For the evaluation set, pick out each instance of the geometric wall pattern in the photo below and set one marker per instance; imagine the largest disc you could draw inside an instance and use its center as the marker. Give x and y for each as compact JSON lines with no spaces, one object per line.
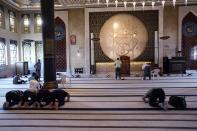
{"x":60,"y":44}
{"x":123,"y":35}
{"x":149,"y":19}
{"x":189,"y":40}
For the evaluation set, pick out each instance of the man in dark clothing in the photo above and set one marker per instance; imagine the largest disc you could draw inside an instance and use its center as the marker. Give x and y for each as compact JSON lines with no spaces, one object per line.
{"x":59,"y":95}
{"x":147,"y":71}
{"x":18,"y":80}
{"x":37,"y":66}
{"x":13,"y":97}
{"x":43,"y":97}
{"x":156,"y":98}
{"x":29,"y":97}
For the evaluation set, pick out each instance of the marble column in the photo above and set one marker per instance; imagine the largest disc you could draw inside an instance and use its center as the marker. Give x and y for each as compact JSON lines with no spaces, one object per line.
{"x":47,"y":12}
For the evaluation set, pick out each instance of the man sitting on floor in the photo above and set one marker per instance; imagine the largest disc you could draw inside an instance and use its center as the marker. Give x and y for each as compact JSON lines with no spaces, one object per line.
{"x":59,"y":95}
{"x":18,"y":80}
{"x":30,"y":95}
{"x":32,"y":77}
{"x":13,"y":97}
{"x":156,"y":98}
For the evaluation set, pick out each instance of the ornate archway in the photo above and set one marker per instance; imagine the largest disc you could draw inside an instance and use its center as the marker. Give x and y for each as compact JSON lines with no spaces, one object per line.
{"x":60,"y":42}
{"x":189,"y":40}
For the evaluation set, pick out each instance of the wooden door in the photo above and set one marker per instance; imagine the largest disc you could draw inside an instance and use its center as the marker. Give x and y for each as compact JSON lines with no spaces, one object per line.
{"x":125,"y":69}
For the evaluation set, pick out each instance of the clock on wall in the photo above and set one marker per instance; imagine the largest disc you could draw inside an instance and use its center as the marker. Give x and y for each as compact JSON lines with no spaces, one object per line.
{"x":190,"y":29}
{"x":59,"y":33}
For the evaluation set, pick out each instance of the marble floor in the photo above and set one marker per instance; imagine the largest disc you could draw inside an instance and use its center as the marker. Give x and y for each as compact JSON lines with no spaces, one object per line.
{"x":105,"y":104}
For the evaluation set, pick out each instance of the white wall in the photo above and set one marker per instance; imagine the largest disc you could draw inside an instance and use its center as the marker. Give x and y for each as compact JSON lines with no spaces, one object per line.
{"x":77,"y":27}
{"x":170,"y":29}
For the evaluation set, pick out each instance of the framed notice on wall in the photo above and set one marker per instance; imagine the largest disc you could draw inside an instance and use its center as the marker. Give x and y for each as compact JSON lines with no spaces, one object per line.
{"x":73,"y":39}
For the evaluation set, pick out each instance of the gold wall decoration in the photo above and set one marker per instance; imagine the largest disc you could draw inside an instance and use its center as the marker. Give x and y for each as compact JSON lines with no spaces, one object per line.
{"x":123,"y":34}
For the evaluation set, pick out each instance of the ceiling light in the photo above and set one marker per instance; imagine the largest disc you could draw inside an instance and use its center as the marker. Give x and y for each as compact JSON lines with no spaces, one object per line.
{"x":174,"y":2}
{"x":134,"y":5}
{"x":163,"y":2}
{"x":125,"y":4}
{"x":186,"y":2}
{"x":116,"y":2}
{"x":153,"y":4}
{"x":107,"y":2}
{"x":143,"y":4}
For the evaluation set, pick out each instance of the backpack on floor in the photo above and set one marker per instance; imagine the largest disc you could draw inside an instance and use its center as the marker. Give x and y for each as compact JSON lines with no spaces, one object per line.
{"x":178,"y":102}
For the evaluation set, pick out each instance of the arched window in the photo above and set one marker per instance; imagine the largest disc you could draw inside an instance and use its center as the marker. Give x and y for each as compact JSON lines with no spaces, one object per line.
{"x":2,"y":18}
{"x":2,"y":52}
{"x":194,"y":53}
{"x":13,"y":51}
{"x":12,"y":20}
{"x":26,"y":24}
{"x":38,"y":23}
{"x":39,"y":50}
{"x":27,"y":51}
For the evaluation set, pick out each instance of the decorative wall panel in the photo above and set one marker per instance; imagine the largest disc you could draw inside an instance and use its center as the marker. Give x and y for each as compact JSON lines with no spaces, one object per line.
{"x":60,"y":44}
{"x":189,"y":41}
{"x":149,"y":19}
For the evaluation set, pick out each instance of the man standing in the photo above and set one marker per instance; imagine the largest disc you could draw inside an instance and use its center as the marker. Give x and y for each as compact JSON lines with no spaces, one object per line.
{"x":37,"y":66}
{"x":118,"y":64}
{"x":147,"y":71}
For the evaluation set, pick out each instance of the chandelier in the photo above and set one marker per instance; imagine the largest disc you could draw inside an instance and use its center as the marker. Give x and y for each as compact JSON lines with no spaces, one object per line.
{"x":134,"y":3}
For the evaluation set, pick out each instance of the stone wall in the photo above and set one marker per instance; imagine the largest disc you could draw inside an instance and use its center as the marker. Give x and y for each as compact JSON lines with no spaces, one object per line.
{"x":76,"y":27}
{"x":170,"y":29}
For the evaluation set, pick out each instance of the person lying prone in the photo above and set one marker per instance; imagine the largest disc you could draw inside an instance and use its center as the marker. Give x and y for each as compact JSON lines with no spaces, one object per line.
{"x":60,"y":96}
{"x":13,"y":97}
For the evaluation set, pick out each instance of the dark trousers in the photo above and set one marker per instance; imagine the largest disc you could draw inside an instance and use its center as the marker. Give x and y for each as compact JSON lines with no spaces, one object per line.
{"x":38,"y":72}
{"x":118,"y":74}
{"x":147,"y":72}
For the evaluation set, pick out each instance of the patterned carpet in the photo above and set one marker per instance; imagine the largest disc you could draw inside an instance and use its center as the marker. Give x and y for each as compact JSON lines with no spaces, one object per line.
{"x":104,"y":104}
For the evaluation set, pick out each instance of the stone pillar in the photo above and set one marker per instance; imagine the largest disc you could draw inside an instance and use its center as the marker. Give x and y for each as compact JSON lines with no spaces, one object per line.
{"x":92,"y":66}
{"x":156,"y":48}
{"x":47,"y":12}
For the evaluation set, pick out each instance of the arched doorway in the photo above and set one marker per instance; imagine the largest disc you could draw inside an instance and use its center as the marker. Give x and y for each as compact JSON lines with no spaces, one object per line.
{"x":189,"y":40}
{"x":60,"y":42}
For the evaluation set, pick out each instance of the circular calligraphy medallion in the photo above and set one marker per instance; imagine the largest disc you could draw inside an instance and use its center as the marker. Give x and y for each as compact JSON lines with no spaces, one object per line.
{"x":190,"y":29}
{"x":59,"y":33}
{"x":123,"y":34}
